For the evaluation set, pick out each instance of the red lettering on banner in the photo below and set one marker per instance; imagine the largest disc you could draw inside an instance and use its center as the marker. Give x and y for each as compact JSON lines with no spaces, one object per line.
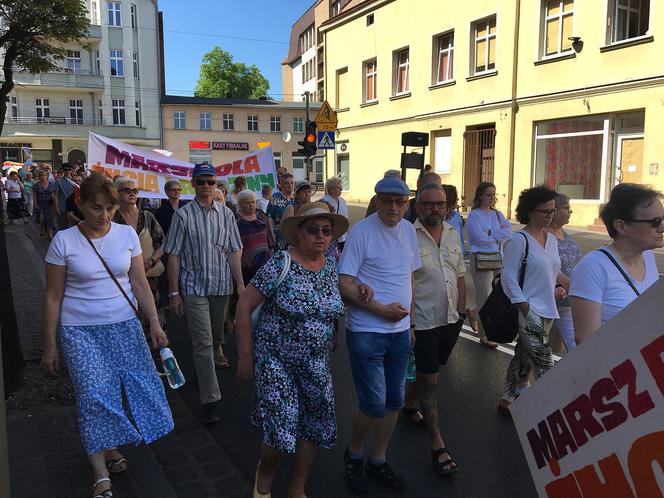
{"x":237,"y":167}
{"x":565,"y":487}
{"x":137,"y":161}
{"x":562,"y":437}
{"x":224,"y":169}
{"x":637,"y":403}
{"x":251,"y":165}
{"x":579,"y":415}
{"x":603,"y":389}
{"x":541,"y":444}
{"x":614,"y":483}
{"x":653,"y":354}
{"x":644,"y":452}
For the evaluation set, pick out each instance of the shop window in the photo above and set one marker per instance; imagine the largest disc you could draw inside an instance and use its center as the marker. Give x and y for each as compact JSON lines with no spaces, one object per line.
{"x":483,"y":49}
{"x":443,"y":53}
{"x":557,"y":27}
{"x":370,"y":87}
{"x":401,"y":77}
{"x":627,"y":19}
{"x":198,"y":156}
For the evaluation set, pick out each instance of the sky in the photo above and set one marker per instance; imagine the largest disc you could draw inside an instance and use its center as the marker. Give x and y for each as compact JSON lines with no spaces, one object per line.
{"x":253,"y":31}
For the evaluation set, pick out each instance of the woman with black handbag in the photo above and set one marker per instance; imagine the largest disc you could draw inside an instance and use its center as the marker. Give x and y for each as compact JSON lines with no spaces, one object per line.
{"x":536,"y":299}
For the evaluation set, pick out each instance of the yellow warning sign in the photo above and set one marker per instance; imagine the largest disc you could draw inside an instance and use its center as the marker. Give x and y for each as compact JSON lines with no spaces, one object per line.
{"x":326,"y":116}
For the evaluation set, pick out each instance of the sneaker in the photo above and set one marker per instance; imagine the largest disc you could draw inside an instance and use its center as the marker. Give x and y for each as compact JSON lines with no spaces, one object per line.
{"x":356,"y":479}
{"x":386,"y":475}
{"x":210,"y":415}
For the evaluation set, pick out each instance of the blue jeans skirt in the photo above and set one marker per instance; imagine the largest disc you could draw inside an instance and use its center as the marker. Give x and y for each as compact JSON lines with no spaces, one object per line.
{"x":104,"y":361}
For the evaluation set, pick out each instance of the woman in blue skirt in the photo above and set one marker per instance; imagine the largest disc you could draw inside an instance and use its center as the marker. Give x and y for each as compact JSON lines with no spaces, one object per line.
{"x":89,"y":316}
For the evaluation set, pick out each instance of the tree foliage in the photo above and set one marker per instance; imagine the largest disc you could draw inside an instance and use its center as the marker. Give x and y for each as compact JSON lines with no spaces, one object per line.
{"x":221,"y":77}
{"x":32,"y":34}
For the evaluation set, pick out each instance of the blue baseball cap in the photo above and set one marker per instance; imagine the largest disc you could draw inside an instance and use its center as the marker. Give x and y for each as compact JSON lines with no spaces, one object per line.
{"x":203,"y":169}
{"x":394,"y":186}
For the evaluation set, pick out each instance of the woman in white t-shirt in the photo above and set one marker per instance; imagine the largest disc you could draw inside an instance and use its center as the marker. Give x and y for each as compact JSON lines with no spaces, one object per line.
{"x":607,"y":280}
{"x":15,"y":209}
{"x":536,"y":299}
{"x":99,"y":335}
{"x":333,"y":188}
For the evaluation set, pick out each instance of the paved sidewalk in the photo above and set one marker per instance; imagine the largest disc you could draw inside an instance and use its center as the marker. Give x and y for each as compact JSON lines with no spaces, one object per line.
{"x":45,"y":453}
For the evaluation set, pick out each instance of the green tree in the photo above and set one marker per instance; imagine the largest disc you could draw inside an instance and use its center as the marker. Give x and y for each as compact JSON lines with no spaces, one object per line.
{"x":31,"y":37}
{"x":222,"y":78}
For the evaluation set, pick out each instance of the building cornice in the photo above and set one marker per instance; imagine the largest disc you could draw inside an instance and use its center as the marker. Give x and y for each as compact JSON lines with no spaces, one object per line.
{"x":353,"y":13}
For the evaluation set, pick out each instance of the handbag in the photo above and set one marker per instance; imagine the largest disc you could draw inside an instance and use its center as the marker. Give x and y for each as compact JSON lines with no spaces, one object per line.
{"x":489,"y":261}
{"x":255,"y":315}
{"x":500,"y":318}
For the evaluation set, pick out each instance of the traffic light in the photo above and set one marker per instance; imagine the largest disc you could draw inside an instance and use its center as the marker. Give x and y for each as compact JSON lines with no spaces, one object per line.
{"x":309,"y":143}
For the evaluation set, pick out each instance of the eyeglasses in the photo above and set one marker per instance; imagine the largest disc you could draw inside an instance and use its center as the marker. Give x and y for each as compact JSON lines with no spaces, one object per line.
{"x":654,"y":222}
{"x":206,"y":182}
{"x":128,"y":190}
{"x":314,"y":230}
{"x":432,"y":204}
{"x":547,"y":212}
{"x":395,"y":202}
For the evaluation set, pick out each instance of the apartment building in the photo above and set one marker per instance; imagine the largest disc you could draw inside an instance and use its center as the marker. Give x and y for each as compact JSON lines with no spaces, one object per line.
{"x":561,"y":92}
{"x":109,"y":83}
{"x":220,"y":130}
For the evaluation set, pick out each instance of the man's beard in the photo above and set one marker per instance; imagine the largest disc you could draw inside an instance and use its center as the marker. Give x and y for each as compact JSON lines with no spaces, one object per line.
{"x":432,"y":220}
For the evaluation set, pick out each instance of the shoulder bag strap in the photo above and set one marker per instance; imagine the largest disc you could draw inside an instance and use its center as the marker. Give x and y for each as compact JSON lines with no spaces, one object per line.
{"x":285,"y":269}
{"x":108,"y":270}
{"x":627,"y":279}
{"x":524,"y":262}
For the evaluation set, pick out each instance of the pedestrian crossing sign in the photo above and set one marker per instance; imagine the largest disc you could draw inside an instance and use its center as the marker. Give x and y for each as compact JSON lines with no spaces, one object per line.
{"x":325,"y":140}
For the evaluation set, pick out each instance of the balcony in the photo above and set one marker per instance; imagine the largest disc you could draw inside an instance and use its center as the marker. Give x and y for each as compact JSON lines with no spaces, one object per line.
{"x":65,"y":79}
{"x":94,"y":32}
{"x":57,"y":120}
{"x":64,"y":127}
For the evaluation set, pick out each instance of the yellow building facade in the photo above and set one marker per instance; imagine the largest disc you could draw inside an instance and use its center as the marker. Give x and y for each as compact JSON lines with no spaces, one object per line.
{"x":561,"y":92}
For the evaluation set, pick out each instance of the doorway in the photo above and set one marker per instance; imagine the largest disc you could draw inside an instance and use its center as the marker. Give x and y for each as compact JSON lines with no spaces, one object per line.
{"x":478,"y":160}
{"x":629,"y":159}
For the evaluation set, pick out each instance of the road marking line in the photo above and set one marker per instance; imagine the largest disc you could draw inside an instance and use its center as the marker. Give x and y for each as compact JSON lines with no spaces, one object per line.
{"x":473,"y":337}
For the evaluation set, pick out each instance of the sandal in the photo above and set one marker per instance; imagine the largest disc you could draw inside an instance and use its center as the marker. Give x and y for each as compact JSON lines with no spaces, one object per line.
{"x":446,"y":466}
{"x":116,"y":465}
{"x":104,"y":494}
{"x":256,"y":493}
{"x":487,"y":343}
{"x":387,"y":475}
{"x":414,"y":415}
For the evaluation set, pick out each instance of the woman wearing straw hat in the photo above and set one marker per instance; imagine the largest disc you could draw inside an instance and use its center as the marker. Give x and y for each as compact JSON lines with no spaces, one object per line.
{"x":289,"y":354}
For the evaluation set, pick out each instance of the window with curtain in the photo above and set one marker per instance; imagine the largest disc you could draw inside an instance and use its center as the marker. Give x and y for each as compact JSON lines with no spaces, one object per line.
{"x":370,"y":81}
{"x":557,"y":27}
{"x":443,"y":64}
{"x":401,"y":82}
{"x":484,"y":45}
{"x":628,"y":19}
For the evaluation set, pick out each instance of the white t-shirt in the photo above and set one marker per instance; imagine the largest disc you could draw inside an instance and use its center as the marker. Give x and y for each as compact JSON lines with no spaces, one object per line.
{"x":261,"y":204}
{"x":542,"y":268}
{"x":597,"y":279}
{"x":383,"y":258}
{"x":13,"y":189}
{"x":91,"y":297}
{"x":339,"y":207}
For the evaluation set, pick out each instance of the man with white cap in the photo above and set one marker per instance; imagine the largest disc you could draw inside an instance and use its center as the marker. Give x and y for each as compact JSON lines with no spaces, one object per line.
{"x":382,"y":252}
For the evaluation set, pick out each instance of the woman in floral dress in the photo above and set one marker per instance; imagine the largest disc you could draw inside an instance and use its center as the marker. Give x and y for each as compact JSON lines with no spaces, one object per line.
{"x":289,"y":353}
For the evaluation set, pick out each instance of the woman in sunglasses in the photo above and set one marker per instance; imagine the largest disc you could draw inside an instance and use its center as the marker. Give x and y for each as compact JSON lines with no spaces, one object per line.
{"x":149,"y":232}
{"x":607,"y":280}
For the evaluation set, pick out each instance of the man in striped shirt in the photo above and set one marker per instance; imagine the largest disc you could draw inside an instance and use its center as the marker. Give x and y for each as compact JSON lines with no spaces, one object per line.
{"x":204,"y":256}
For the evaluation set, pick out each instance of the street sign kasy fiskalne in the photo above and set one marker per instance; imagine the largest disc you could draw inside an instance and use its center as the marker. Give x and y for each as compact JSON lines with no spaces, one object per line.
{"x":326,"y":119}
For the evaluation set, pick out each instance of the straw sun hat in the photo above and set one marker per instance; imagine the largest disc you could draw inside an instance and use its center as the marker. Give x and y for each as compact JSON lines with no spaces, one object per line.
{"x":289,"y":225}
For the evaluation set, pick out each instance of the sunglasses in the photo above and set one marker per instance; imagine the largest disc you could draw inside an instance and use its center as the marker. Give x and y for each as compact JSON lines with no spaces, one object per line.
{"x":128,"y":190}
{"x":206,"y":182}
{"x":314,"y":230}
{"x":654,"y":222}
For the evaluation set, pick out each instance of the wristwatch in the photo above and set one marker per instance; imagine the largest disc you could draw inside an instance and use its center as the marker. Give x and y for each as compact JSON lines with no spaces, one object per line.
{"x":173,"y":294}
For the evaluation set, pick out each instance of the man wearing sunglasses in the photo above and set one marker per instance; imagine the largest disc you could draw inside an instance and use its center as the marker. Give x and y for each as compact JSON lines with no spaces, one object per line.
{"x":204,"y":257}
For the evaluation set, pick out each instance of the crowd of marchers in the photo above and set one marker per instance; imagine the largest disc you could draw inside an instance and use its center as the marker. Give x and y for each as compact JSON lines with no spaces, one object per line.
{"x":282,"y":272}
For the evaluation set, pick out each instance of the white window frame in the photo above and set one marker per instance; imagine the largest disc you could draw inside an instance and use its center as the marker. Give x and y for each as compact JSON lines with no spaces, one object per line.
{"x":439,"y":51}
{"x":179,"y":120}
{"x":119,"y":112}
{"x":205,"y":120}
{"x":544,"y":26}
{"x":300,"y":161}
{"x":613,"y":9}
{"x":398,"y":86}
{"x":94,"y":13}
{"x":42,"y":109}
{"x":76,"y":111}
{"x":97,"y":62}
{"x":134,"y":16}
{"x":252,"y":122}
{"x":228,"y":121}
{"x":134,"y":60}
{"x":367,"y":65}
{"x":275,"y":123}
{"x":277,"y":160}
{"x":477,"y":39}
{"x":73,"y":62}
{"x":101,"y":111}
{"x":114,"y":13}
{"x":117,"y":63}
{"x":139,"y":118}
{"x":335,"y":8}
{"x":13,"y":102}
{"x":298,"y":124}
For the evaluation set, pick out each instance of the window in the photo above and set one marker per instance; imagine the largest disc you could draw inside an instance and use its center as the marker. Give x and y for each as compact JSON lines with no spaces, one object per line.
{"x":179,"y":120}
{"x":319,"y":172}
{"x":205,"y":120}
{"x":342,"y":88}
{"x":298,"y":125}
{"x":118,"y":106}
{"x":97,"y":63}
{"x":628,"y":19}
{"x":484,"y":46}
{"x":343,"y":170}
{"x":557,"y":27}
{"x":227,"y":121}
{"x":114,"y":14}
{"x":308,"y":70}
{"x":134,"y":58}
{"x":252,"y":123}
{"x":101,"y":112}
{"x":137,"y":105}
{"x":73,"y":61}
{"x":75,"y":111}
{"x":569,"y":156}
{"x":13,"y":101}
{"x":43,"y":110}
{"x":277,"y":160}
{"x":298,"y":167}
{"x":401,"y":83}
{"x":200,"y":156}
{"x":94,"y":14}
{"x":370,"y":81}
{"x":134,"y":19}
{"x":306,"y":40}
{"x":442,"y":152}
{"x":335,"y":8}
{"x":370,"y":19}
{"x":275,"y":123}
{"x":443,"y":63}
{"x":117,"y":65}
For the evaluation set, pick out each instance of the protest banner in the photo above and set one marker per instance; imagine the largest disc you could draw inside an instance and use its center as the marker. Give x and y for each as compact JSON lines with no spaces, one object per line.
{"x":151,"y":170}
{"x":593,"y":426}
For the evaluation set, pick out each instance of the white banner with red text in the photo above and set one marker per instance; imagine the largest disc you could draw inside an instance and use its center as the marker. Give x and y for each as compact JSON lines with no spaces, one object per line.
{"x":151,"y":170}
{"x":593,"y":426}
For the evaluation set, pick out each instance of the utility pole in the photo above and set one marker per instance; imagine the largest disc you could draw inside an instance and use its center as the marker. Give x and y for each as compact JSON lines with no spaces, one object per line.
{"x":309,"y":159}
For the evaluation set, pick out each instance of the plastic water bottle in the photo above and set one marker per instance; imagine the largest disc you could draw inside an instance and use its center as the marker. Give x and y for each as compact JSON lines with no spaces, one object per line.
{"x":411,"y":372}
{"x":171,"y":368}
